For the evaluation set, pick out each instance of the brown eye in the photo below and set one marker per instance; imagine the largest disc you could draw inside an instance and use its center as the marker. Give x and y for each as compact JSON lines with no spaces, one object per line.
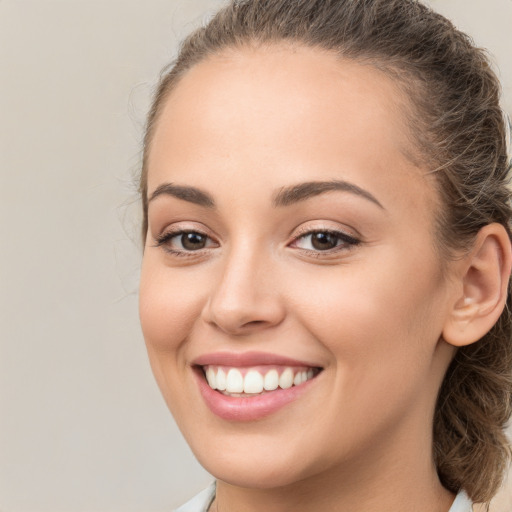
{"x":193,"y":241}
{"x":323,"y":241}
{"x":181,"y":242}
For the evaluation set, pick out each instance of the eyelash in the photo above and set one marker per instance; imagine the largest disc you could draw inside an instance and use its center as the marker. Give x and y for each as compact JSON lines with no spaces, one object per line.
{"x":345,"y":242}
{"x":164,"y":239}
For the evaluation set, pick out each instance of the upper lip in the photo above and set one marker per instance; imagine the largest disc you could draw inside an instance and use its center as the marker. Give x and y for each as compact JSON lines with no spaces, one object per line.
{"x":249,"y":359}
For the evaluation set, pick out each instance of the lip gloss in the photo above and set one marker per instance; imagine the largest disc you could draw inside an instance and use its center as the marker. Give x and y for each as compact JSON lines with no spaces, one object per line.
{"x":248,"y":408}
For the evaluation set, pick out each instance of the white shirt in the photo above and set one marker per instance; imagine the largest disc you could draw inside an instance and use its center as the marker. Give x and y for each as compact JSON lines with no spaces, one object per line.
{"x":203,"y":500}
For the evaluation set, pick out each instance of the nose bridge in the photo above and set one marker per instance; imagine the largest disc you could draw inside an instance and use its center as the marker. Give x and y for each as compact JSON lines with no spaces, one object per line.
{"x":245,"y":296}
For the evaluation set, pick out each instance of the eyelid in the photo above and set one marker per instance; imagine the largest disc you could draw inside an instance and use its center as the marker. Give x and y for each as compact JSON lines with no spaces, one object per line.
{"x":185,"y":227}
{"x":171,"y":232}
{"x":347,"y":241}
{"x":340,"y":234}
{"x":312,"y":228}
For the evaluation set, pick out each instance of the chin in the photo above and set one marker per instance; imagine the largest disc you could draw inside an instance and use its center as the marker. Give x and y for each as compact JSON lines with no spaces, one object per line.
{"x":253,"y":474}
{"x":258,"y":465}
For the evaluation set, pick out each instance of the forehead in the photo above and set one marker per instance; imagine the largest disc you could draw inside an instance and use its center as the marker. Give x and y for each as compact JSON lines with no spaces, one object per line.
{"x":291,"y":113}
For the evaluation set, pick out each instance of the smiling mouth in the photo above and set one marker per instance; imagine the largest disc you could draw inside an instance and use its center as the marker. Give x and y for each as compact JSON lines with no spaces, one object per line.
{"x":256,"y":381}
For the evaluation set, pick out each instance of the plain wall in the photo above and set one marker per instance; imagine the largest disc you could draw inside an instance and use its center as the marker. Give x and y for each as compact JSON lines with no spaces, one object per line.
{"x":82,"y":423}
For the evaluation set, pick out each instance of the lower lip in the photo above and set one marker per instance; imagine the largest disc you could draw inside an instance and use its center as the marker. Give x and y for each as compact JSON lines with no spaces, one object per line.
{"x":251,"y":408}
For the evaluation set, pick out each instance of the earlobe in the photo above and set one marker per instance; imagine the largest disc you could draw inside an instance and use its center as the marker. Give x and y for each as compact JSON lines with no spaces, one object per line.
{"x":484,"y":279}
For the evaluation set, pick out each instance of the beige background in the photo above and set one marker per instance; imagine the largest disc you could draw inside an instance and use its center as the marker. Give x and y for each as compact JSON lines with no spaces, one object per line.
{"x":82,"y":425}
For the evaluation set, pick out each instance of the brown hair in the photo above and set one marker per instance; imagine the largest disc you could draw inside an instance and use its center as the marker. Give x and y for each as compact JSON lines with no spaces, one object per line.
{"x":459,"y":131}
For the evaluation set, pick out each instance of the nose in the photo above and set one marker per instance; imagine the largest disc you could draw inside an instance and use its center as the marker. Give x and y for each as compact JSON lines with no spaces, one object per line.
{"x":245,"y":298}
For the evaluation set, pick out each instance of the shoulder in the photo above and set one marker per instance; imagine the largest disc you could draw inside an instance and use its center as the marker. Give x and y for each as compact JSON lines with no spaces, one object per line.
{"x":200,"y":502}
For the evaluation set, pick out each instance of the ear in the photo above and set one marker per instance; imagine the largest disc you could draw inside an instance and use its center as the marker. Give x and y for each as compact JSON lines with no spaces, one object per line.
{"x":482,"y":286}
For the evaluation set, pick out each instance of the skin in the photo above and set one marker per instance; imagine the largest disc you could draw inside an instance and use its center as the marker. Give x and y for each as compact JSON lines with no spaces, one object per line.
{"x":240,"y":126}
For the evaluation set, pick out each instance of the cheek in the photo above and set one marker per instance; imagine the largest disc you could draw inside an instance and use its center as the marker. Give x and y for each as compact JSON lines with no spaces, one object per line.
{"x":353,"y":307}
{"x":169,"y":304}
{"x":381,"y":332}
{"x":381,"y":323}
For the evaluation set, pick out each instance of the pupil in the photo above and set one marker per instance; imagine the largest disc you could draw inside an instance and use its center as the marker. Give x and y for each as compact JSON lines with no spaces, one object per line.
{"x":324,"y":241}
{"x":192,"y":241}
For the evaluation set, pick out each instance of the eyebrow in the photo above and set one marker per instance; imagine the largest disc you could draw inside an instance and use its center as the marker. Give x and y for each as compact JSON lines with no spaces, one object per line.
{"x":285,"y":196}
{"x":186,"y":193}
{"x":302,"y":191}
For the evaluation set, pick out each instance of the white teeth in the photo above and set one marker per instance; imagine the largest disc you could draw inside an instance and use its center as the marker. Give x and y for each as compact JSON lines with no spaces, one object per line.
{"x":271,"y":380}
{"x":234,"y":381}
{"x":210,"y":377}
{"x":221,"y":380}
{"x":253,"y":382}
{"x":286,"y":379}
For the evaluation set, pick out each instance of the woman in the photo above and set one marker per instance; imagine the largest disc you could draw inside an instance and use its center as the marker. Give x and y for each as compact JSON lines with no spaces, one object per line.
{"x":327,"y":257}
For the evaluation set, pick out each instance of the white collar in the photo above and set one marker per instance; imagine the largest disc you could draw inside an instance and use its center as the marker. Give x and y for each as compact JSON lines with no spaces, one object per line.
{"x":202,"y":501}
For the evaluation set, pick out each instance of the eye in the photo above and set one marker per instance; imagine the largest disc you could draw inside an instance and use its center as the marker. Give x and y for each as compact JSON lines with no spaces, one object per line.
{"x":325,"y":241}
{"x":181,"y":242}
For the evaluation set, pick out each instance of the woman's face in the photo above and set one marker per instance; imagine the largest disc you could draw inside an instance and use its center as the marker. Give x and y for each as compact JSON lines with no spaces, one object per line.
{"x":291,"y":239}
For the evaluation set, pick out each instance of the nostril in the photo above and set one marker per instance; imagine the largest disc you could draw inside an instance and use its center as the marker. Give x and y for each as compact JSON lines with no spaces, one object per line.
{"x":242,"y":314}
